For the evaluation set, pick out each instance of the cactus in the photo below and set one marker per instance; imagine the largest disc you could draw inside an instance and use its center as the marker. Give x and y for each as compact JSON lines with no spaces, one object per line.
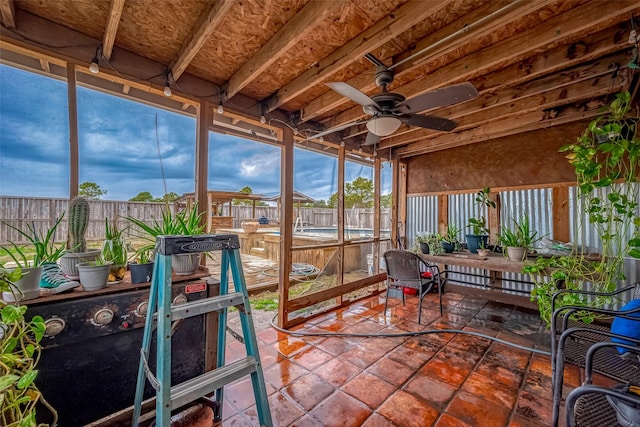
{"x":78,"y":223}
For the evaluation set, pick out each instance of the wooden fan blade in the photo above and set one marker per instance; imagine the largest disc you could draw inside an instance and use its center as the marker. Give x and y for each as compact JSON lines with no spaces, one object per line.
{"x":428,"y":122}
{"x":442,"y":97}
{"x":335,"y":129}
{"x":352,"y":93}
{"x":372,"y":139}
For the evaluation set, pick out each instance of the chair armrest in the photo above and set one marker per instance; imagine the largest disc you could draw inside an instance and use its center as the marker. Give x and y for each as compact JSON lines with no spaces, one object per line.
{"x":568,"y":310}
{"x":555,"y":296}
{"x":591,"y":352}
{"x":573,"y":396}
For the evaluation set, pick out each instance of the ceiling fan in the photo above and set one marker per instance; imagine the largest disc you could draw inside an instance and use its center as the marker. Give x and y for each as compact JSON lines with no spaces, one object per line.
{"x":390,"y":110}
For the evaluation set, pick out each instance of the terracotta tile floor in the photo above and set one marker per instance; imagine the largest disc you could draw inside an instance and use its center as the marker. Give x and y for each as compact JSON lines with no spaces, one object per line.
{"x":442,"y":379}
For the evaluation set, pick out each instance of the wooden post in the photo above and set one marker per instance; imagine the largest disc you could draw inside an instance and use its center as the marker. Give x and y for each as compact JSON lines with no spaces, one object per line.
{"x":286,"y":229}
{"x":560,"y":214}
{"x":493,"y":220}
{"x":340,"y":223}
{"x":205,"y":117}
{"x":72,"y":99}
{"x":443,"y":213}
{"x":377,"y":174}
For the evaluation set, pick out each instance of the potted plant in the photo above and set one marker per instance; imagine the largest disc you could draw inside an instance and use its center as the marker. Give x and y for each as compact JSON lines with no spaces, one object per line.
{"x":608,"y":193}
{"x":76,"y":243}
{"x":19,"y":355}
{"x":478,"y":225}
{"x":434,"y":241}
{"x":423,"y":242}
{"x":516,"y":244}
{"x":32,"y":259}
{"x":142,"y":268}
{"x":94,"y":274}
{"x":187,"y":222}
{"x":450,"y":242}
{"x":114,"y":250}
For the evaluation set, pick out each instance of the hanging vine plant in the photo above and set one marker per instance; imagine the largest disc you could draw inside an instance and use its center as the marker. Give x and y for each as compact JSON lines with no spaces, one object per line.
{"x":606,"y":159}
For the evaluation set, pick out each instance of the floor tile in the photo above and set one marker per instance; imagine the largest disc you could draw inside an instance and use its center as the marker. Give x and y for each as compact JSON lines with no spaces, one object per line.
{"x":335,"y":345}
{"x":535,"y":408}
{"x":361,"y":356}
{"x":520,"y":421}
{"x":476,"y":411}
{"x":456,"y":357}
{"x":337,"y":371}
{"x":435,"y":392}
{"x":491,"y":390}
{"x":306,"y":421}
{"x":312,"y":357}
{"x":404,"y":409}
{"x":283,"y":373}
{"x":391,"y":371}
{"x":308,"y":390}
{"x":283,"y":411}
{"x":410,"y":354}
{"x":448,"y":421}
{"x":341,"y":410}
{"x":369,"y":389}
{"x":443,"y":371}
{"x":290,"y":346}
{"x":377,"y":420}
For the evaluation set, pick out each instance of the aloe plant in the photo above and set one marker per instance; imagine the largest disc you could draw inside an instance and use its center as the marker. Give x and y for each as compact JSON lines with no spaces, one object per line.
{"x":43,"y":242}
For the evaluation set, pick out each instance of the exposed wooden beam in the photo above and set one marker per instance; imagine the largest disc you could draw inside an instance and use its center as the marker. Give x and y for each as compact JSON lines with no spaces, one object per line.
{"x":564,"y":28}
{"x":44,"y":64}
{"x":442,"y":42}
{"x":592,"y":79}
{"x":311,"y":15}
{"x":113,"y":20}
{"x":126,"y":89}
{"x":206,"y":25}
{"x":8,"y":13}
{"x":517,"y":124}
{"x":403,"y":18}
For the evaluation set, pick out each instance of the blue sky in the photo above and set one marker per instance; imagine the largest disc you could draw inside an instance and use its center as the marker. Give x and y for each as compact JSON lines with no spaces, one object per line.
{"x":118,"y":149}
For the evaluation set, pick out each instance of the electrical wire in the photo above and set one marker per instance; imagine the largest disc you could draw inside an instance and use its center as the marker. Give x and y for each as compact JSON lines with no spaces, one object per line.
{"x":403,"y":334}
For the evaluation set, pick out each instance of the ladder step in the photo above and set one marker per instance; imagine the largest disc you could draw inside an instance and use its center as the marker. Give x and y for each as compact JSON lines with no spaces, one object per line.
{"x":206,"y":305}
{"x":195,"y":388}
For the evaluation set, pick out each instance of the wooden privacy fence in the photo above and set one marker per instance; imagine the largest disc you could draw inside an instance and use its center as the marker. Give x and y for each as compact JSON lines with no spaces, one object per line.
{"x":42,"y":213}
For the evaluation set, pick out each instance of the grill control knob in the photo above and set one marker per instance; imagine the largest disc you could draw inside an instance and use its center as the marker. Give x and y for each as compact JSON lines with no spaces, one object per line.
{"x":54,"y":326}
{"x":141,"y":309}
{"x":180,"y":299}
{"x":104,"y":316}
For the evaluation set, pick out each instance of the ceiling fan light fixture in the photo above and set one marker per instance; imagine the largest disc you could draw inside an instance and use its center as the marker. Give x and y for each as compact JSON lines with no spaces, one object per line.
{"x":384,"y":125}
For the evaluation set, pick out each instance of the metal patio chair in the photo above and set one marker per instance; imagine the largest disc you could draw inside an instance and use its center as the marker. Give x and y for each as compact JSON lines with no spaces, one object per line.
{"x":407,"y":270}
{"x":571,"y":341}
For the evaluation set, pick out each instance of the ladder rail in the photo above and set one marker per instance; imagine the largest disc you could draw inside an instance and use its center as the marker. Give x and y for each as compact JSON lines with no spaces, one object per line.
{"x":163,"y":314}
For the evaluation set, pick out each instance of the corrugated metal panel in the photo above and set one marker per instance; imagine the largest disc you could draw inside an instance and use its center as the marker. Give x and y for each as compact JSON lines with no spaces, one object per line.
{"x":461,"y":208}
{"x":422,"y":216}
{"x":536,"y":204}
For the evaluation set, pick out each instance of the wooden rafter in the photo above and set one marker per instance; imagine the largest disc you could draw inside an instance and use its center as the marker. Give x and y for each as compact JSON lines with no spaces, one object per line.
{"x":115,"y":11}
{"x":459,"y":28}
{"x":566,"y":27}
{"x":206,"y":25}
{"x":517,"y":124}
{"x":311,"y":15}
{"x":403,"y":18}
{"x":589,"y":75}
{"x":8,"y":13}
{"x":44,"y":64}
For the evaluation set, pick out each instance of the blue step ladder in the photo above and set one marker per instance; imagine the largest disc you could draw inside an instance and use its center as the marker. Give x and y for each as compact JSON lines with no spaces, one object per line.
{"x":167,"y":397}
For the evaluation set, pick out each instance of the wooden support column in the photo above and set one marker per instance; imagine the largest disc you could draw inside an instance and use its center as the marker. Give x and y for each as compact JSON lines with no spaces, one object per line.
{"x":204,"y":119}
{"x":340,"y":258}
{"x":72,"y":99}
{"x":443,"y":213}
{"x":286,"y":229}
{"x":493,"y":218}
{"x":377,"y":174}
{"x":560,"y":214}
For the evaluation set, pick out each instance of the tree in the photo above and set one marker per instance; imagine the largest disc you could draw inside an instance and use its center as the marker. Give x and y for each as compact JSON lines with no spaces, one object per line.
{"x":357,"y":194}
{"x":385,"y":200}
{"x":246,"y":190}
{"x":169,"y":197}
{"x":143,"y":196}
{"x":91,"y":191}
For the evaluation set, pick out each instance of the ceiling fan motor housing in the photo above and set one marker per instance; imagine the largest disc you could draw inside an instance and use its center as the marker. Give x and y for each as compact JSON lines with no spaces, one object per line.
{"x":384,"y":77}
